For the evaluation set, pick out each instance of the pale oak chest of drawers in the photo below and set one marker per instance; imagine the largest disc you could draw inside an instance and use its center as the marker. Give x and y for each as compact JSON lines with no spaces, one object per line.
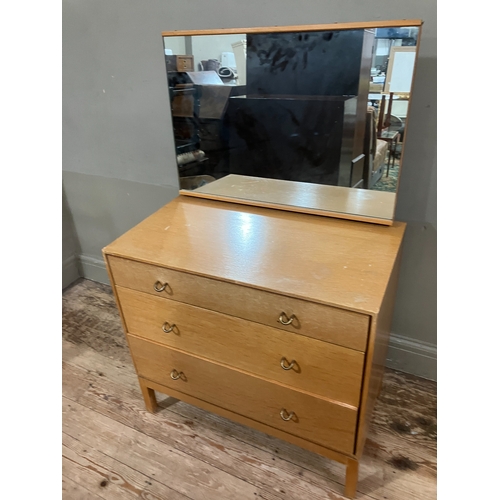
{"x":276,"y":320}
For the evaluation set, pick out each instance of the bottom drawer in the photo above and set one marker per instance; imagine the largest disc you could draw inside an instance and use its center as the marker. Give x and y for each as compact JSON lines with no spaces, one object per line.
{"x":318,"y":420}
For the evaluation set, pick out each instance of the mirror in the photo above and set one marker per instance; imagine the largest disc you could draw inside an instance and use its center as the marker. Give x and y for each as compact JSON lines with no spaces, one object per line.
{"x":303,"y":118}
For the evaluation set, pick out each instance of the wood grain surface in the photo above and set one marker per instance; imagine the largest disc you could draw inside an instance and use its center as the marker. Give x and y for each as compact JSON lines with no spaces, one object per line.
{"x":114,"y":447}
{"x":304,"y":197}
{"x":318,"y":420}
{"x":293,"y":28}
{"x":331,"y":324}
{"x":330,"y":261}
{"x":319,"y":367}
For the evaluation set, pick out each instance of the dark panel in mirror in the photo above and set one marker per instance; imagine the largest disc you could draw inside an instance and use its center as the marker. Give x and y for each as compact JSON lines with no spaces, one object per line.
{"x":324,"y":63}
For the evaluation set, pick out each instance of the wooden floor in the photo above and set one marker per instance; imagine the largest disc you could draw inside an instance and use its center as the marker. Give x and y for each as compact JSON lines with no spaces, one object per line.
{"x":114,"y":449}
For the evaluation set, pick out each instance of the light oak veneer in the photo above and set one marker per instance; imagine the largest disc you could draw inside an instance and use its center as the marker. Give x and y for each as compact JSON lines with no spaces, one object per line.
{"x":317,"y":199}
{"x":316,"y":419}
{"x":323,"y":368}
{"x":328,"y":261}
{"x":322,"y":322}
{"x":225,"y":273}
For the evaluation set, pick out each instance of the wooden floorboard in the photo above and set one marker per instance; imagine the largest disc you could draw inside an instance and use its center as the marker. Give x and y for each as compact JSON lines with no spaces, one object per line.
{"x":71,"y":489}
{"x":109,"y":473}
{"x":114,"y":448}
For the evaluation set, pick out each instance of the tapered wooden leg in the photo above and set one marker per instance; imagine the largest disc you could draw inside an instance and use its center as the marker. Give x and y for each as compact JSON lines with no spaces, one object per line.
{"x":351,"y":478}
{"x":149,"y":397}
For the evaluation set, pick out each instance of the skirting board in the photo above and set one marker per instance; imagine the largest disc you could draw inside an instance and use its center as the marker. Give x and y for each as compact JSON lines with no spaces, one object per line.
{"x":412,"y":356}
{"x":94,"y":269}
{"x":404,"y":354}
{"x":70,"y":271}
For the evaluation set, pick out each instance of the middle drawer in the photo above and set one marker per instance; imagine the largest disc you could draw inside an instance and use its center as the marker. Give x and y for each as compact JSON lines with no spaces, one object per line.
{"x":314,"y":366}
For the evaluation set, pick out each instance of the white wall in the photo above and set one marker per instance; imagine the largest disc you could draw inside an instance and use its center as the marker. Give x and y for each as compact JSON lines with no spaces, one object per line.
{"x":211,"y":47}
{"x":176,"y":44}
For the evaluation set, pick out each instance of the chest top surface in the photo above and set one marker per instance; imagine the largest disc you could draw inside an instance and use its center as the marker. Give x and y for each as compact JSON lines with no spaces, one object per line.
{"x":325,"y":260}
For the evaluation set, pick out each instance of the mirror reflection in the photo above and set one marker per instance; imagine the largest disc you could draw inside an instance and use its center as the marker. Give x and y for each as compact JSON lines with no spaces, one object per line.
{"x":320,"y":107}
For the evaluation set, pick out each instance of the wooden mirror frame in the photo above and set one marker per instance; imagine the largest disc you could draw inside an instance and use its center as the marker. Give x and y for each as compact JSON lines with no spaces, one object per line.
{"x":364,"y":198}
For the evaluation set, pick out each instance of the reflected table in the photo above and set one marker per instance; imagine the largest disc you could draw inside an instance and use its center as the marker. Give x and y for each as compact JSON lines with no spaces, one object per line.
{"x":392,"y":137}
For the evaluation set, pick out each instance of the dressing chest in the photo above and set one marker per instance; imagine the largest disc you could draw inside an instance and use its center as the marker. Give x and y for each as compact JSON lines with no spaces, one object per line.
{"x":274,"y":319}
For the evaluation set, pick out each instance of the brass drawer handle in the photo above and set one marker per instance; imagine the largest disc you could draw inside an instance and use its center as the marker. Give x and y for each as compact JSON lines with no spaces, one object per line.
{"x":159,"y":286}
{"x":288,"y":366}
{"x":175,"y":375}
{"x":283,"y":319}
{"x":167,"y":327}
{"x":286,"y":416}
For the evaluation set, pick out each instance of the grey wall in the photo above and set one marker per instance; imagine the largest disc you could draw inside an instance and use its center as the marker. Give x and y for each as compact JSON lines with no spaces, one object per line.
{"x":70,"y":247}
{"x":118,"y":157}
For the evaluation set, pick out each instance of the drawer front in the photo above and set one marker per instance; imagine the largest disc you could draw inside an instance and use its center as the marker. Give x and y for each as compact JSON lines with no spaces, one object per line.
{"x":311,"y":365}
{"x":322,"y":422}
{"x":185,"y":63}
{"x":345,"y":328}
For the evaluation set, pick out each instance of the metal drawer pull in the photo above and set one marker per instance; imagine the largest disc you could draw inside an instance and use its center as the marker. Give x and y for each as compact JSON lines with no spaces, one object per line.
{"x":175,"y":375}
{"x":167,"y":328}
{"x":286,"y":416}
{"x":159,"y":287}
{"x":290,"y":365}
{"x":283,"y":319}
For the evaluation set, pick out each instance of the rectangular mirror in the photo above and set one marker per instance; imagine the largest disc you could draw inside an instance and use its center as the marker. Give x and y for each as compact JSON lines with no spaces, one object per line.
{"x":302,"y":118}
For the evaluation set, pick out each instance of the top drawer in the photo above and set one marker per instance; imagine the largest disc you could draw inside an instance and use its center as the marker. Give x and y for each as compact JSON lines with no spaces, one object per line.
{"x":330,"y":324}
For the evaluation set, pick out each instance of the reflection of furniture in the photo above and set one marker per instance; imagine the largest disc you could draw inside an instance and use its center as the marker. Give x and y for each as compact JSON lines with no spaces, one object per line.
{"x":398,"y":125}
{"x":271,"y":319}
{"x":184,"y":103}
{"x":198,"y":102}
{"x":375,"y":151}
{"x":304,"y":67}
{"x":214,"y":101}
{"x":384,"y":117}
{"x":319,"y":63}
{"x":313,"y":142}
{"x":374,"y":98}
{"x":399,"y":109}
{"x":376,"y":87}
{"x":179,"y":63}
{"x":391,"y":137}
{"x":388,"y":125}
